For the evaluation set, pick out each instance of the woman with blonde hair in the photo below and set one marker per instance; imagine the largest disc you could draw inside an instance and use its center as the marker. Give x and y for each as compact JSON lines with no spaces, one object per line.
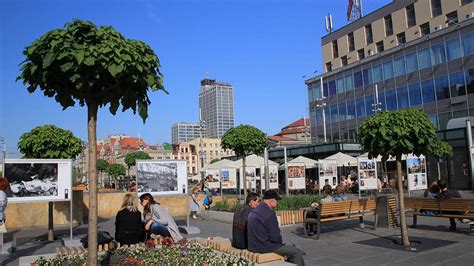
{"x":128,"y":222}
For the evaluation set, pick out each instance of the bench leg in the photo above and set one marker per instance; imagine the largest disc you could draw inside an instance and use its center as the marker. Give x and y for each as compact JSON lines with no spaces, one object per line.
{"x":361,"y":222}
{"x":376,"y":221}
{"x":318,"y":230}
{"x":414,"y":220}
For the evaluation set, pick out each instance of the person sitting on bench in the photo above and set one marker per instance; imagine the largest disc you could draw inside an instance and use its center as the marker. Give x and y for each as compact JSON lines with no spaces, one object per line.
{"x":239,"y":224}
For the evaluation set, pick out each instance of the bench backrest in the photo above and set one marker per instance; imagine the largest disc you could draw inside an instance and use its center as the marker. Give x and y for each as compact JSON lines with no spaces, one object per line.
{"x":453,"y":204}
{"x":347,"y":206}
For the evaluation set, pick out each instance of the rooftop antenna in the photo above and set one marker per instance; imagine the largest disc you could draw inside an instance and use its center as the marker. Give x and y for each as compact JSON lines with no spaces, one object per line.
{"x":354,"y":10}
{"x":328,"y":20}
{"x":207,"y":75}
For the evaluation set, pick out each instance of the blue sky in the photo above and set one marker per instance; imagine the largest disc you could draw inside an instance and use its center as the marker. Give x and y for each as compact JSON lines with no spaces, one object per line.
{"x":262,"y":47}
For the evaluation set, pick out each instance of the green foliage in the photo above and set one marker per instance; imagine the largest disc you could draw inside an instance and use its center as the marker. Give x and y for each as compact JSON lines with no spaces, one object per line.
{"x":50,"y":142}
{"x":215,"y":160}
{"x":190,"y":253}
{"x":397,"y":132}
{"x":244,"y":140}
{"x":115,"y":170}
{"x":296,"y":202}
{"x":132,"y":157}
{"x":441,"y":149}
{"x":92,"y":65}
{"x":226,"y":205}
{"x":102,"y":165}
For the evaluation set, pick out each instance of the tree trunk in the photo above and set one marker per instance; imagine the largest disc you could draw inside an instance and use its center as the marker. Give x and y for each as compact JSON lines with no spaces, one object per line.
{"x":403,"y":222}
{"x":244,"y":177}
{"x":92,"y":137}
{"x":50,"y":221}
{"x":439,"y":169}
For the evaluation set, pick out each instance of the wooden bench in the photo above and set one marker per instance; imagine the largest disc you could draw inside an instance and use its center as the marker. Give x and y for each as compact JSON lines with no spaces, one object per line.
{"x":224,"y":245}
{"x":456,"y":208}
{"x":340,"y":210}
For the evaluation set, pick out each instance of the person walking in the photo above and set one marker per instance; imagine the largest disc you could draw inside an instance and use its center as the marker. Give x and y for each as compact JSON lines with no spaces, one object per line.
{"x":239,"y":224}
{"x":264,"y":234}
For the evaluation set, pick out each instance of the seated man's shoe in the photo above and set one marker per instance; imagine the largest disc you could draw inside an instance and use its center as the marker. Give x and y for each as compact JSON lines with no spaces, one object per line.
{"x":452,"y":228}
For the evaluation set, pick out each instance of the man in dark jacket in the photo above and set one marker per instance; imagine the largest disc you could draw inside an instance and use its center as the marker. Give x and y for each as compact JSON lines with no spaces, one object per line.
{"x":264,"y":234}
{"x":447,"y":194}
{"x":239,"y":225}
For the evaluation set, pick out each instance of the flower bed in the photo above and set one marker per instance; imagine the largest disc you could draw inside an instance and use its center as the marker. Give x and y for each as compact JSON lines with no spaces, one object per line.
{"x":183,"y":253}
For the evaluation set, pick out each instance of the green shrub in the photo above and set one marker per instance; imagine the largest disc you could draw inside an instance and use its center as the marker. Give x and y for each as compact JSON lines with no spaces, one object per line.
{"x":226,"y":205}
{"x":296,"y":202}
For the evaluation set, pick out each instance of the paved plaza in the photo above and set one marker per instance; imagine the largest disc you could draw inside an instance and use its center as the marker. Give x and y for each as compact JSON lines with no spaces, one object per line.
{"x":341,"y":243}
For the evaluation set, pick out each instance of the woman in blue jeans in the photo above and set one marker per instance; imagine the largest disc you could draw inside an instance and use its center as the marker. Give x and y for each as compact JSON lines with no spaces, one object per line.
{"x":157,"y":220}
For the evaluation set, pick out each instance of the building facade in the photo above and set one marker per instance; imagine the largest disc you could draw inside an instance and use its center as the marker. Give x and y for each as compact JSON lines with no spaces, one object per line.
{"x":211,"y":150}
{"x":216,"y":104}
{"x":182,"y":132}
{"x":187,"y":151}
{"x":407,"y":54}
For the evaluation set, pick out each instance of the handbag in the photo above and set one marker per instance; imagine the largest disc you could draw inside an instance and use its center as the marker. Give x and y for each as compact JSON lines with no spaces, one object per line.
{"x":3,"y":228}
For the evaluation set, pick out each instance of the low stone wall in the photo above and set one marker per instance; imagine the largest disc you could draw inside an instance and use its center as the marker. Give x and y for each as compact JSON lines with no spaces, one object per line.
{"x":35,"y":214}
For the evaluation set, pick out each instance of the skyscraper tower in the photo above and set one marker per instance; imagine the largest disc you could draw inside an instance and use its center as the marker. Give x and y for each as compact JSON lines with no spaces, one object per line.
{"x":216,"y":102}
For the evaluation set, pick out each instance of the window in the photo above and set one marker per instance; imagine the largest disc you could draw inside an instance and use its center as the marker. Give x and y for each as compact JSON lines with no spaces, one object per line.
{"x":351,"y":42}
{"x":340,"y":85}
{"x":456,"y":84}
{"x":358,"y":79}
{"x":335,"y":50}
{"x":425,"y":28}
{"x":399,"y":66}
{"x":443,"y":120}
{"x":468,"y":43}
{"x":377,"y":74}
{"x":379,"y":47}
{"x":427,"y":88}
{"x":411,"y":19}
{"x":442,"y":88}
{"x":401,"y":38}
{"x":332,"y":87}
{"x":344,"y":61}
{"x":388,"y":70}
{"x":412,"y":62}
{"x":415,"y":94}
{"x":369,"y":105}
{"x":434,"y":119}
{"x":360,"y":107}
{"x":436,"y":8}
{"x":334,"y":114}
{"x":470,"y":81}
{"x":465,"y":2}
{"x":351,"y":109}
{"x":402,"y":97}
{"x":391,"y":99}
{"x":361,"y":54}
{"x":328,"y":66}
{"x":453,"y":49}
{"x":349,"y":82}
{"x":367,"y":76}
{"x":342,"y":111}
{"x":368,"y":34}
{"x":388,"y":25}
{"x":424,"y":58}
{"x":452,"y":18}
{"x":325,"y":89}
{"x":439,"y":55}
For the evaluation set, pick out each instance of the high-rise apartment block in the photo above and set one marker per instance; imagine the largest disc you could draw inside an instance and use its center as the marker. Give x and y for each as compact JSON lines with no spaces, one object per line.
{"x":216,"y":104}
{"x":182,"y":132}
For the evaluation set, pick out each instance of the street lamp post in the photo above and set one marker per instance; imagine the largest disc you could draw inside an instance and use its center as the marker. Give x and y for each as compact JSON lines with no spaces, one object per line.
{"x":376,"y":105}
{"x":201,"y":152}
{"x":321,"y":103}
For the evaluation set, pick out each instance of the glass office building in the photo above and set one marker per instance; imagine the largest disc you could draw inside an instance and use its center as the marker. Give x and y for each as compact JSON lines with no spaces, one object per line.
{"x":426,"y":61}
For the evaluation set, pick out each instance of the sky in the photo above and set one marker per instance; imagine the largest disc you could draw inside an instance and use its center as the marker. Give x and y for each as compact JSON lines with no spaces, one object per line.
{"x":264,"y":48}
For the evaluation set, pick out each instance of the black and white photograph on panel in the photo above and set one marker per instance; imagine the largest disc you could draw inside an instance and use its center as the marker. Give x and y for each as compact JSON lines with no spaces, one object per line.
{"x":38,"y":179}
{"x":161,"y":177}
